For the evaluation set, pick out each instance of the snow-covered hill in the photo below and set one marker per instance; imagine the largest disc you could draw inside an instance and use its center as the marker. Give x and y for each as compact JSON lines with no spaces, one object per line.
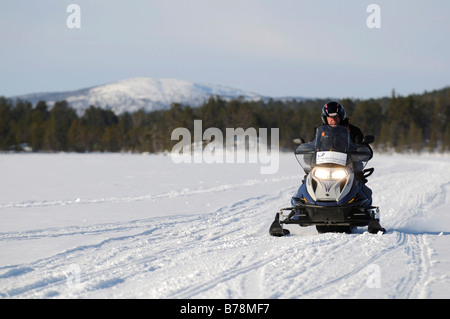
{"x":127,"y":226}
{"x":141,"y":93}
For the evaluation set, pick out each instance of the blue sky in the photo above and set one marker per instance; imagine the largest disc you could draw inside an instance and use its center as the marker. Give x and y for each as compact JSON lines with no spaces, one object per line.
{"x":320,"y":48}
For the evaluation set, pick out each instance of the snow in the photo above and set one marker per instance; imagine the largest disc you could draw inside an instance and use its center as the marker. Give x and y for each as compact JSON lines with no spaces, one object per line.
{"x":141,"y":226}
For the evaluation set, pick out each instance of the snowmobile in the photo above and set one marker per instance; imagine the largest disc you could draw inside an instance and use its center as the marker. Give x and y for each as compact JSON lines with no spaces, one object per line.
{"x":333,"y":195}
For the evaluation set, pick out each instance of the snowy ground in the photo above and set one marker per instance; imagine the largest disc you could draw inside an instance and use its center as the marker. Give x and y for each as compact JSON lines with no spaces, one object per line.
{"x":140,"y":226}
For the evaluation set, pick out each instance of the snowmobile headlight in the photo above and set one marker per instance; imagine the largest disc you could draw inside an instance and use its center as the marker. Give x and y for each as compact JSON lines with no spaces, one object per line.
{"x":322,"y":173}
{"x":339,"y":174}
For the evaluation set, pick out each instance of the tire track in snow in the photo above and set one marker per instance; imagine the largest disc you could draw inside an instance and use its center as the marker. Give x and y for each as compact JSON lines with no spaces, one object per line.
{"x":219,"y":253}
{"x":197,"y":235}
{"x":150,"y":197}
{"x":178,"y":229}
{"x":317,"y":277}
{"x":418,"y":273}
{"x":337,"y":265}
{"x":50,"y":273}
{"x":230,"y":243}
{"x":80,"y":255}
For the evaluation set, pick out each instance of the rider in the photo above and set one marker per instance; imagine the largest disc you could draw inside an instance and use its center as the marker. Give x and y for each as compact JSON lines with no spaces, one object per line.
{"x":333,"y":114}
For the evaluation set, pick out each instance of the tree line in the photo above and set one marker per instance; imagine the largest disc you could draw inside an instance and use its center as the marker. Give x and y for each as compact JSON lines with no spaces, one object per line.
{"x":413,"y":123}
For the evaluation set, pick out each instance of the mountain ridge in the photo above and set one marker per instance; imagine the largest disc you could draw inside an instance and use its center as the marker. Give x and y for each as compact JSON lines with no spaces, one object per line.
{"x":133,"y":94}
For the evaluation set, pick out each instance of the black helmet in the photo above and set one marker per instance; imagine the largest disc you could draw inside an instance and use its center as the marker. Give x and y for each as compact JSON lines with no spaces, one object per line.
{"x":332,"y":108}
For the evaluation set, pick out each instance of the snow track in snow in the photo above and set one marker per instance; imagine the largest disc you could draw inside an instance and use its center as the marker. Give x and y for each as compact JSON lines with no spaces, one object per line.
{"x":206,"y":236}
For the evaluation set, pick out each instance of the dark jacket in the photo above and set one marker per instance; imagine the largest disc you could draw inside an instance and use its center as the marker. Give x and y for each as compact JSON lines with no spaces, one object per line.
{"x":356,"y":134}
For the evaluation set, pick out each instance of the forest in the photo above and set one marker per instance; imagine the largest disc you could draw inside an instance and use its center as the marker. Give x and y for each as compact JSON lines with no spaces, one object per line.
{"x":414,"y":123}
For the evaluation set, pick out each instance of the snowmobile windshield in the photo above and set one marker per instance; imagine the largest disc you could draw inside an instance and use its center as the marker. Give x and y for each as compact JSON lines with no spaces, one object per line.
{"x":332,"y":145}
{"x":332,"y":139}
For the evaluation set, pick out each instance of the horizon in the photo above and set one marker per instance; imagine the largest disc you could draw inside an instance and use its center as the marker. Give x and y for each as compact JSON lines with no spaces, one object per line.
{"x":215,"y":84}
{"x":276,"y":48}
